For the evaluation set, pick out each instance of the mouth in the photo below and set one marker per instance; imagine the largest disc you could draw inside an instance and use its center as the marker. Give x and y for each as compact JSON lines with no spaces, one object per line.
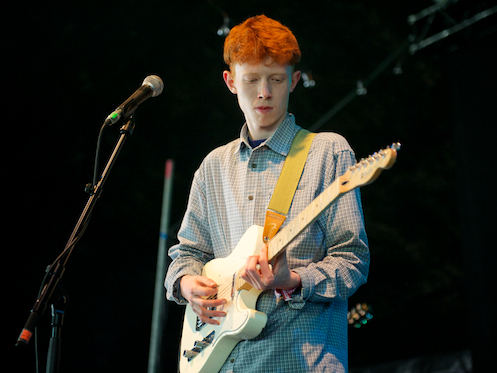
{"x":263,"y":109}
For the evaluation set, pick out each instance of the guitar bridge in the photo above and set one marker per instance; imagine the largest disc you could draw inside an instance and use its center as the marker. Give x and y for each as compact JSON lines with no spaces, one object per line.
{"x":233,"y":285}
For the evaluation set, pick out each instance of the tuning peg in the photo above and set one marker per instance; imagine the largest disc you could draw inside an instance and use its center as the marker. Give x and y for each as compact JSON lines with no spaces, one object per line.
{"x":395,"y":146}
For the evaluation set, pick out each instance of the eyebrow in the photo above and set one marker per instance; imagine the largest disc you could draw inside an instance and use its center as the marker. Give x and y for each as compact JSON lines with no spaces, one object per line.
{"x":270,"y":75}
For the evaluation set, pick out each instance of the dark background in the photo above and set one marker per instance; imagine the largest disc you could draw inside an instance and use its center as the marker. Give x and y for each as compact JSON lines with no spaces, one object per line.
{"x":429,"y":219}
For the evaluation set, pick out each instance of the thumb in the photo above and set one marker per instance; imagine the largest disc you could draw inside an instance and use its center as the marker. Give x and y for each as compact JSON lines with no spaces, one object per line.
{"x":207,"y":282}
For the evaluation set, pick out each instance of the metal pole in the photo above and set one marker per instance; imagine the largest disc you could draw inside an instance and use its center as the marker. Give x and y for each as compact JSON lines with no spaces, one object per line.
{"x":159,"y":316}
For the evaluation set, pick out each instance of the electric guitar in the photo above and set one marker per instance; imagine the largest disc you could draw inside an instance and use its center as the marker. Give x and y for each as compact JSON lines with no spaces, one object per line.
{"x":205,"y":347}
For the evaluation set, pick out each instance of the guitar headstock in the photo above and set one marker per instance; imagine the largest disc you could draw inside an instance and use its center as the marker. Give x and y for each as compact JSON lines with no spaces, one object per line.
{"x":368,"y":169}
{"x":360,"y":315}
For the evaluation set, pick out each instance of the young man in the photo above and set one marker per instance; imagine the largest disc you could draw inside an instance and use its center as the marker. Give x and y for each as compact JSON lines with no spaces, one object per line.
{"x":306,"y":329}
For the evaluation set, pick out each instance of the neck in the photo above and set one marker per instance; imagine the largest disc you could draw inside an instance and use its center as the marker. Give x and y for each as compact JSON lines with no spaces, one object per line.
{"x":263,"y":132}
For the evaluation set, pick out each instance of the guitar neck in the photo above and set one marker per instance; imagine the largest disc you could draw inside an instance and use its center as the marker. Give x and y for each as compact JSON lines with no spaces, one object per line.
{"x":306,"y":217}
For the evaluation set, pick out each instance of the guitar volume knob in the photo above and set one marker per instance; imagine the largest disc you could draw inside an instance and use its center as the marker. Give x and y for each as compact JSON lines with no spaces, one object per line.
{"x":201,"y":344}
{"x":190,"y":354}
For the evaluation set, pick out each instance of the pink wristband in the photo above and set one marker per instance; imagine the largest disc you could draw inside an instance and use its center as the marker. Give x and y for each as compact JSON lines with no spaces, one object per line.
{"x":287,"y":294}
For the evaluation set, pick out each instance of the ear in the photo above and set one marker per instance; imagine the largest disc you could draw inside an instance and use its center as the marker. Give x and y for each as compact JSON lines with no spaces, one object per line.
{"x":229,"y":80}
{"x":295,"y":79}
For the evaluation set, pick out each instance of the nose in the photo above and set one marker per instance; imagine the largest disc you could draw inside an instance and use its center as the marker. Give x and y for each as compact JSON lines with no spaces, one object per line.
{"x":264,"y":90}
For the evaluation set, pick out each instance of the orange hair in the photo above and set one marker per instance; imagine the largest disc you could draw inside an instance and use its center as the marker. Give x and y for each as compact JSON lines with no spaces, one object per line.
{"x":260,"y":37}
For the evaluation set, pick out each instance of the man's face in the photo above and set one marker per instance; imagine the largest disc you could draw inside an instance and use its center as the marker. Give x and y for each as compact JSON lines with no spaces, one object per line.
{"x":263,"y":91}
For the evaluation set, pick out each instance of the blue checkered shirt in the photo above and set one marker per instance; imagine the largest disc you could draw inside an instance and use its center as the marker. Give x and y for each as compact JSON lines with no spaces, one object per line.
{"x":230,"y":192}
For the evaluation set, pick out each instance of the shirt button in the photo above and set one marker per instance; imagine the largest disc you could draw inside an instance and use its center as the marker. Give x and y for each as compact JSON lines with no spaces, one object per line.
{"x":254,"y":165}
{"x":250,"y":198}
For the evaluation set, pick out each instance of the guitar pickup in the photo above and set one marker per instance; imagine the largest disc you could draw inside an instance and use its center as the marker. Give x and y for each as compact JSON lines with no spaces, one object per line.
{"x":200,"y":324}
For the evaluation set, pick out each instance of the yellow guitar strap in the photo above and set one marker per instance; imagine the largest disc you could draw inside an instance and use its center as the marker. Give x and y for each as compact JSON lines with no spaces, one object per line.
{"x":287,"y":183}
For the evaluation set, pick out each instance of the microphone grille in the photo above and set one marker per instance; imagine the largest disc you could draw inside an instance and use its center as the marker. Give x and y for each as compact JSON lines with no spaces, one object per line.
{"x":155,"y":83}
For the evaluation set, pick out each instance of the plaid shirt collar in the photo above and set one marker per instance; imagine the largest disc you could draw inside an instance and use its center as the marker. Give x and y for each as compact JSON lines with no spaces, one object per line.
{"x":280,"y":141}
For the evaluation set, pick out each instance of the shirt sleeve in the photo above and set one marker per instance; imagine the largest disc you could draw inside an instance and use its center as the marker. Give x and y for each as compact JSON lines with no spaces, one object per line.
{"x":194,"y":248}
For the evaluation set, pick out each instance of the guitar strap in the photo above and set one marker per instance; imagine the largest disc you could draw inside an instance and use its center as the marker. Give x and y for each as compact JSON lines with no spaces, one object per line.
{"x":287,"y":183}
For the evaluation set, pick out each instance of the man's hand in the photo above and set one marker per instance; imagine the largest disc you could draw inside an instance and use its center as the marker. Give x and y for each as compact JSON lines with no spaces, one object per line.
{"x":194,"y":289}
{"x":261,"y":276}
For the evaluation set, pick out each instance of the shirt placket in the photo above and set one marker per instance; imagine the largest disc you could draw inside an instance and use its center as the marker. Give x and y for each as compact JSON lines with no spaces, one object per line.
{"x":253,"y":188}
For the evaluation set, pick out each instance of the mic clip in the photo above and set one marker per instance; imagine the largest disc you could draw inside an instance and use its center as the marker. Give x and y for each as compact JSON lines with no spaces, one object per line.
{"x":90,"y":188}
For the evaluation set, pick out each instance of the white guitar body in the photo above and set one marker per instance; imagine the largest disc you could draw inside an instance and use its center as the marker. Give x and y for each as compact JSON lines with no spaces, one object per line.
{"x":242,"y":321}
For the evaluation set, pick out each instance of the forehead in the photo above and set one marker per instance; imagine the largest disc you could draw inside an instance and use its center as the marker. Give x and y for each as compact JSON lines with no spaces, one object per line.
{"x":262,"y":68}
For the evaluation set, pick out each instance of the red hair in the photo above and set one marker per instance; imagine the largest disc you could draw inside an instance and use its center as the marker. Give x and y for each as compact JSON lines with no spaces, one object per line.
{"x":260,"y":37}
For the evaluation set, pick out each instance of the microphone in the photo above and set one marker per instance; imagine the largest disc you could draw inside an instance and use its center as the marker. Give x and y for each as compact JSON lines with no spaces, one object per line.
{"x":152,"y":86}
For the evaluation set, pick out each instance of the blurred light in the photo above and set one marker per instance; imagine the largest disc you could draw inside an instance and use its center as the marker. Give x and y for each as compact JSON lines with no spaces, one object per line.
{"x":308,"y":82}
{"x":359,"y":315}
{"x":361,"y":90}
{"x":224,"y":30}
{"x":397,"y":70}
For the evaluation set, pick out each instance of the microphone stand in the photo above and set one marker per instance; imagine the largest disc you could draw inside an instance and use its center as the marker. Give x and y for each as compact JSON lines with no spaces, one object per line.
{"x":57,"y":309}
{"x":55,"y":271}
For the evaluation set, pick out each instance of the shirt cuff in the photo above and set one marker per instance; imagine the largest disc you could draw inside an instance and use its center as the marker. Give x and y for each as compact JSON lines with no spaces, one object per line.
{"x":306,"y":283}
{"x":177,"y":293}
{"x":296,"y":299}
